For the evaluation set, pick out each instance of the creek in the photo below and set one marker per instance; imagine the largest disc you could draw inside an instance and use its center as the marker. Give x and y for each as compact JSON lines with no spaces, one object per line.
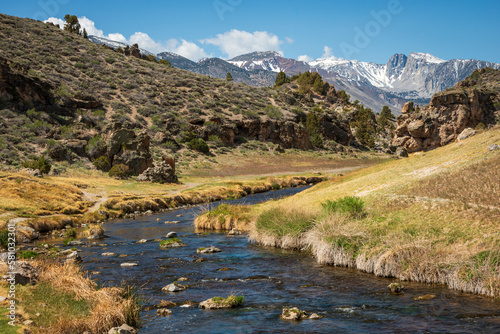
{"x":270,"y":279}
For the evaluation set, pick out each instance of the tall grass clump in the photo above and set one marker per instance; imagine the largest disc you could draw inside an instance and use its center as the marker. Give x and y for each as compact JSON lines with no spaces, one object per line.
{"x":350,"y":205}
{"x":74,"y":303}
{"x":282,"y":222}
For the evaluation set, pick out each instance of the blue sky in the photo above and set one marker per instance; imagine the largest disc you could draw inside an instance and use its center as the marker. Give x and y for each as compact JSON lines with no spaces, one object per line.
{"x":363,"y":29}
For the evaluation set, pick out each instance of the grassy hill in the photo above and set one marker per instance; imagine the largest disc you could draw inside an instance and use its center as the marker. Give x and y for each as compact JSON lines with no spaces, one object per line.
{"x":434,"y":217}
{"x":62,"y":90}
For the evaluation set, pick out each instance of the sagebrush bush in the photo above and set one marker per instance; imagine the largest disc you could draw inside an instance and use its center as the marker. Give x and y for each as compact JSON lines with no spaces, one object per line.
{"x":40,"y":163}
{"x":199,"y":145}
{"x":119,"y":171}
{"x":102,"y":163}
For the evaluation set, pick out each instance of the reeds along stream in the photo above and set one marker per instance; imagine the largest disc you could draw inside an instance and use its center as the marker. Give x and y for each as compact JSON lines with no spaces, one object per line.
{"x":269,"y":279}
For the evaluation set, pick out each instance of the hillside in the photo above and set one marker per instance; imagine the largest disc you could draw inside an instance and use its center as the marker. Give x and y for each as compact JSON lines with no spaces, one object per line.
{"x":76,"y":101}
{"x":431,"y":218}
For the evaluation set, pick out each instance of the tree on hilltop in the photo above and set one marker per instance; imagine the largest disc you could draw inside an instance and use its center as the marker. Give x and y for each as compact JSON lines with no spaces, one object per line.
{"x":72,"y":25}
{"x":229,"y":77}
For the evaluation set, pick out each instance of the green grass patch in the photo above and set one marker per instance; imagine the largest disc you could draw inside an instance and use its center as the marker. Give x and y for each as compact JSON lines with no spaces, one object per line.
{"x":349,"y":205}
{"x":28,"y":254}
{"x":281,"y":222}
{"x":52,"y":304}
{"x":230,"y":301}
{"x":237,"y":211}
{"x":5,"y":328}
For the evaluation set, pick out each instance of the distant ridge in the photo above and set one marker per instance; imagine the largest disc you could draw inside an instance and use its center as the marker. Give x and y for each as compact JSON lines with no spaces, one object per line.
{"x":415,"y":77}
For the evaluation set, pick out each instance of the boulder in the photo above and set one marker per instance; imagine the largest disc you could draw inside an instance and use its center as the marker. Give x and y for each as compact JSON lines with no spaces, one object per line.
{"x":162,"y":172}
{"x":23,"y":273}
{"x":401,"y":152}
{"x":407,"y":108}
{"x":95,"y":232}
{"x":417,"y":129}
{"x":466,"y":134}
{"x":173,"y":287}
{"x":123,"y":329}
{"x":493,"y":147}
{"x":74,"y":257}
{"x":129,"y":264}
{"x":171,"y":235}
{"x":129,"y":149}
{"x":425,"y":297}
{"x":293,"y":314}
{"x":26,"y":234}
{"x":108,"y":254}
{"x":33,"y":172}
{"x":208,"y":250}
{"x":75,"y":243}
{"x":163,"y":312}
{"x":396,"y":288}
{"x":234,"y":231}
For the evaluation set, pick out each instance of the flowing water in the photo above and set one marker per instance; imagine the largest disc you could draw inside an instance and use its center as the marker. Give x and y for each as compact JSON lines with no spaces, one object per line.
{"x":270,"y":279}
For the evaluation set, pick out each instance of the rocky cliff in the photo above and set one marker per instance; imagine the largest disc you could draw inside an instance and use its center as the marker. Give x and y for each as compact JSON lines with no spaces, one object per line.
{"x":473,"y":102}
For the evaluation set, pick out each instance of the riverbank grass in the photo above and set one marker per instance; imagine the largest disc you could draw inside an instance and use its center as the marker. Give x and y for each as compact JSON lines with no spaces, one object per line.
{"x":433,"y":217}
{"x":65,"y":300}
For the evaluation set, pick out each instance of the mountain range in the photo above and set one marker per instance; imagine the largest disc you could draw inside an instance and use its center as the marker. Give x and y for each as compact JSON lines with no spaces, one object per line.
{"x":415,"y":77}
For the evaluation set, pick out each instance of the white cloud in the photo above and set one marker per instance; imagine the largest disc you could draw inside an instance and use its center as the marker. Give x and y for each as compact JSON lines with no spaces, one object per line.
{"x":305,"y":58}
{"x":56,"y":21}
{"x":237,"y":42}
{"x":189,"y":50}
{"x":118,"y":37}
{"x":289,"y":40}
{"x":184,"y":48}
{"x":89,"y":25}
{"x":327,"y":52}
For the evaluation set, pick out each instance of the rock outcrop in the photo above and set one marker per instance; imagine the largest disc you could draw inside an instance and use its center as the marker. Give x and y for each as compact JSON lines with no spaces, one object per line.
{"x":126,"y":147}
{"x":471,"y":102}
{"x":162,"y":172}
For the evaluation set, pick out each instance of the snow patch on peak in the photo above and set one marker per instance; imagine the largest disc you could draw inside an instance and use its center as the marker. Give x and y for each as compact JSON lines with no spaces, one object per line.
{"x":327,"y":63}
{"x":427,"y":57}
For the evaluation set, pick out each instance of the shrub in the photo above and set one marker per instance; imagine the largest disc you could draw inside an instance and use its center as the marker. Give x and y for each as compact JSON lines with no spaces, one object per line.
{"x":70,"y":233}
{"x":41,"y":164}
{"x":4,"y":237}
{"x":273,"y":112}
{"x":480,"y":126}
{"x":110,"y":60}
{"x":316,"y":140}
{"x":119,"y":171}
{"x":199,"y":145}
{"x":349,"y":204}
{"x":102,"y":163}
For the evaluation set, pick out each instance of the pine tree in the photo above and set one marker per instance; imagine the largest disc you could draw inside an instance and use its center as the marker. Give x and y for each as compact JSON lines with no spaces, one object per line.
{"x":72,"y":25}
{"x":280,"y":79}
{"x":85,"y":34}
{"x":229,"y":77}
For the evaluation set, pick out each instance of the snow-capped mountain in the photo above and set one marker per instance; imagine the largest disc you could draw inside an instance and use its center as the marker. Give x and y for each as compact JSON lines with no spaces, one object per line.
{"x":114,"y":44}
{"x":415,"y":77}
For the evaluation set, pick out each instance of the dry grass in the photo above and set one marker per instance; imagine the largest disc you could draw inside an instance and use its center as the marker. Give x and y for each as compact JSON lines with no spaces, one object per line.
{"x":477,"y":183}
{"x":99,"y":308}
{"x":224,"y":217}
{"x":28,"y":196}
{"x":288,"y":163}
